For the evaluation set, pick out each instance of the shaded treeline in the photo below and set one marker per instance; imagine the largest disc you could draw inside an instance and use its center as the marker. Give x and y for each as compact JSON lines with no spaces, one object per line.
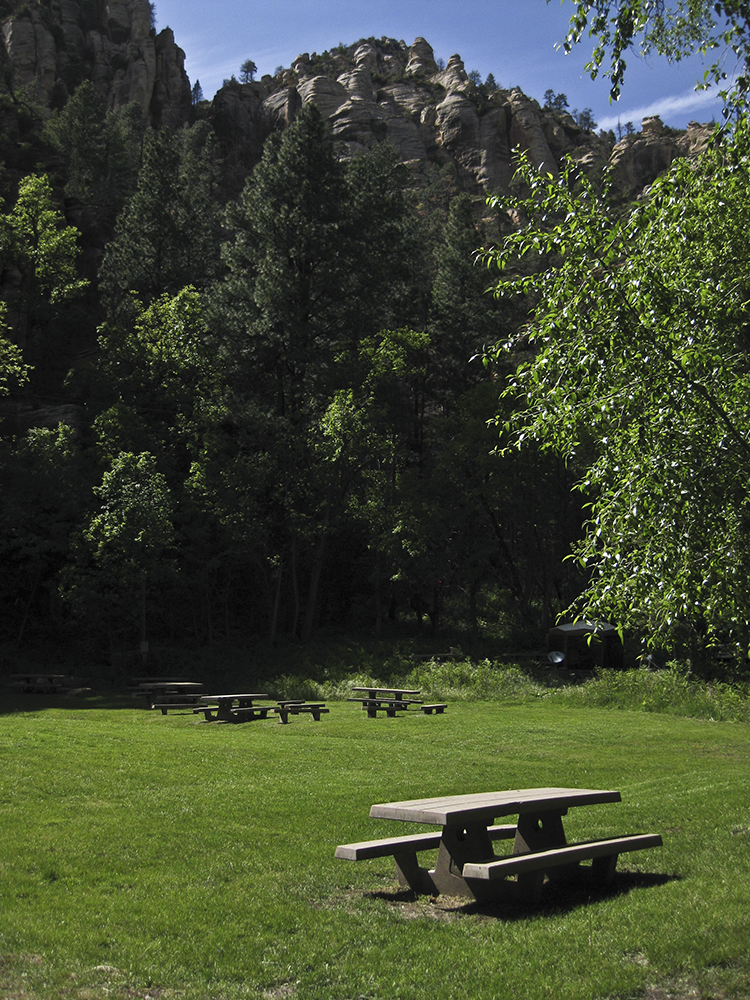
{"x":257,"y":417}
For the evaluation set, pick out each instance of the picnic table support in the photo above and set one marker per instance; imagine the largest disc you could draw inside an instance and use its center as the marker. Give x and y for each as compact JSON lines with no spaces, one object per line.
{"x":286,"y":708}
{"x":404,"y":851}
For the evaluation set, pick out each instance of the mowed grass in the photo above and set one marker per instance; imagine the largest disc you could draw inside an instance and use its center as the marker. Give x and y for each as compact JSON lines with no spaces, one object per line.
{"x":150,"y":856}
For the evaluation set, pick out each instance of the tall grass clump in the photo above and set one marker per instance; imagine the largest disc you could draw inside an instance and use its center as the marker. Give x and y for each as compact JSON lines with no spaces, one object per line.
{"x":473,"y":681}
{"x":463,"y":680}
{"x":671,"y":691}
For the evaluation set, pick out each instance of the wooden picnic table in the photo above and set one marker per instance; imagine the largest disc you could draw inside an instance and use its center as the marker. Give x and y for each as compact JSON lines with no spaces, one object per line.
{"x":300,"y":707}
{"x":466,"y":865}
{"x":165,"y":693}
{"x":41,"y":682}
{"x":244,"y":708}
{"x":233,"y":707}
{"x":388,"y":700}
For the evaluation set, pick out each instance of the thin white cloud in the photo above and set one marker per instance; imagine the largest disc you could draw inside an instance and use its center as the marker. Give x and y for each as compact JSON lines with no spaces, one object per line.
{"x":705,"y":103}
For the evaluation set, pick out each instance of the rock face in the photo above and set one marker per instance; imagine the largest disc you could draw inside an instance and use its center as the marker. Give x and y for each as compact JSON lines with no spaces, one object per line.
{"x":377,"y":90}
{"x":382,"y":90}
{"x":52,"y":45}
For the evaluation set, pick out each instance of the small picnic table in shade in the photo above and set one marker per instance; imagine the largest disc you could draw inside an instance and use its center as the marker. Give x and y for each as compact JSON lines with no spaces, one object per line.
{"x":164,"y":693}
{"x":392,"y":700}
{"x":384,"y":699}
{"x":41,"y":682}
{"x":245,"y":708}
{"x":466,"y":865}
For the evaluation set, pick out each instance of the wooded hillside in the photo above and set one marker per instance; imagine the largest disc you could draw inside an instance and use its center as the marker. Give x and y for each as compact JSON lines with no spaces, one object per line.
{"x":253,"y":411}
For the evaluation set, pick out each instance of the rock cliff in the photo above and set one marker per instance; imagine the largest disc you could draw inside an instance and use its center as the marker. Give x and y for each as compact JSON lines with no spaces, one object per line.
{"x":50,"y":46}
{"x":374,"y":91}
{"x":433,"y":116}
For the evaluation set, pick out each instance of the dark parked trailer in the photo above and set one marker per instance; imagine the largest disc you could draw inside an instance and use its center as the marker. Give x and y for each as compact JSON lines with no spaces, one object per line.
{"x":586,"y":646}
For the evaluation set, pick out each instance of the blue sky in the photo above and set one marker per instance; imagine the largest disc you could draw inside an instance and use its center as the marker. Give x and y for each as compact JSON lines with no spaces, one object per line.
{"x":515,"y":40}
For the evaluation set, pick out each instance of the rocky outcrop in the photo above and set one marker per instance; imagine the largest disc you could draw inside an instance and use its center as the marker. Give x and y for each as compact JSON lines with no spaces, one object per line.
{"x":377,"y":90}
{"x":434,"y":116}
{"x":638,"y":159}
{"x":52,"y":45}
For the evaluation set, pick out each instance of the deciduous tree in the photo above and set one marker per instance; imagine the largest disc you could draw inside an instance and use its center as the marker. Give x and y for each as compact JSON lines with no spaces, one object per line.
{"x":674,"y":29}
{"x":639,"y":325}
{"x":43,"y":250}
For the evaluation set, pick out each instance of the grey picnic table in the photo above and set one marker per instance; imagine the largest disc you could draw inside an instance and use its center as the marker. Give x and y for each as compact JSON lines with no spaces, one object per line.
{"x":164,"y":693}
{"x":386,"y":699}
{"x":233,"y":707}
{"x":40,"y":682}
{"x":466,"y":865}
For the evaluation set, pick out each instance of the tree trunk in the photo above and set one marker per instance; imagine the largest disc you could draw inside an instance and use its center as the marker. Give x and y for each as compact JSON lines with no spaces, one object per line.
{"x":315,"y":574}
{"x":276,"y":603}
{"x":295,"y":589}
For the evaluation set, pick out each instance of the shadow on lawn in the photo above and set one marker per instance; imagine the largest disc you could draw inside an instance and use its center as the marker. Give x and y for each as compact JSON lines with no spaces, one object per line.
{"x":557,"y":897}
{"x":12,"y":702}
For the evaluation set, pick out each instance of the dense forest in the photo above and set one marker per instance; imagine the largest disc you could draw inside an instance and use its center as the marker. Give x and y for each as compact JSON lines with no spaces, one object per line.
{"x":258,"y":412}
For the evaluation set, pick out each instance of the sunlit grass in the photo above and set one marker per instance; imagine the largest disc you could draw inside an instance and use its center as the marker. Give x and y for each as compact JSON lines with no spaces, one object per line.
{"x":164,"y":857}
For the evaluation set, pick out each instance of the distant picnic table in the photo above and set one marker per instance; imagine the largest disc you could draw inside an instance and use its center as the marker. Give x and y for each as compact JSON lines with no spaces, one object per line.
{"x":391,"y":700}
{"x":42,"y":682}
{"x":167,"y":693}
{"x":239,"y":708}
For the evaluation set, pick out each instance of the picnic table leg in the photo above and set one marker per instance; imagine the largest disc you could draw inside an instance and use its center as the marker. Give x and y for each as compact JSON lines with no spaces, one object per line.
{"x":541,"y":831}
{"x":459,"y":845}
{"x":603,"y":869}
{"x":411,"y":876}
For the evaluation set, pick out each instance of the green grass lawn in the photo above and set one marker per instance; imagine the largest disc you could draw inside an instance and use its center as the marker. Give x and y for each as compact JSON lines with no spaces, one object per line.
{"x":150,"y":856}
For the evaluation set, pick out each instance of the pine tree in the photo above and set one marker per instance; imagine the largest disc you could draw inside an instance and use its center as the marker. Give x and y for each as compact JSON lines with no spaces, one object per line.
{"x":316,"y":252}
{"x":168,"y":233}
{"x":247,"y":71}
{"x":464,"y":318}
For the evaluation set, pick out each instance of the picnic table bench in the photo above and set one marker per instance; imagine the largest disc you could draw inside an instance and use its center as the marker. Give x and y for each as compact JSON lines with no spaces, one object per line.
{"x":466,"y":865}
{"x":388,"y":700}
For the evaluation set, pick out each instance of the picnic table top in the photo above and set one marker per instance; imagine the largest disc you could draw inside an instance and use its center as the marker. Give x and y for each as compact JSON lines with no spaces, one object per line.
{"x":139,"y":681}
{"x":450,"y":810}
{"x":385,"y":690}
{"x":230,"y":697}
{"x":38,"y":674}
{"x":162,"y":685}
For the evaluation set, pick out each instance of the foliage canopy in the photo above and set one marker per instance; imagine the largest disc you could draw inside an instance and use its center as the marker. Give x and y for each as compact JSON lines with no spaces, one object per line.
{"x":673,"y":29}
{"x":642,"y":367}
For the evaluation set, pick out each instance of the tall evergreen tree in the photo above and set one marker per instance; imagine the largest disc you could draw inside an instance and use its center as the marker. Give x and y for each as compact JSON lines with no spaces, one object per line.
{"x":316,"y":251}
{"x":316,"y":248}
{"x":167,"y":235}
{"x":464,"y":317}
{"x":101,"y":149}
